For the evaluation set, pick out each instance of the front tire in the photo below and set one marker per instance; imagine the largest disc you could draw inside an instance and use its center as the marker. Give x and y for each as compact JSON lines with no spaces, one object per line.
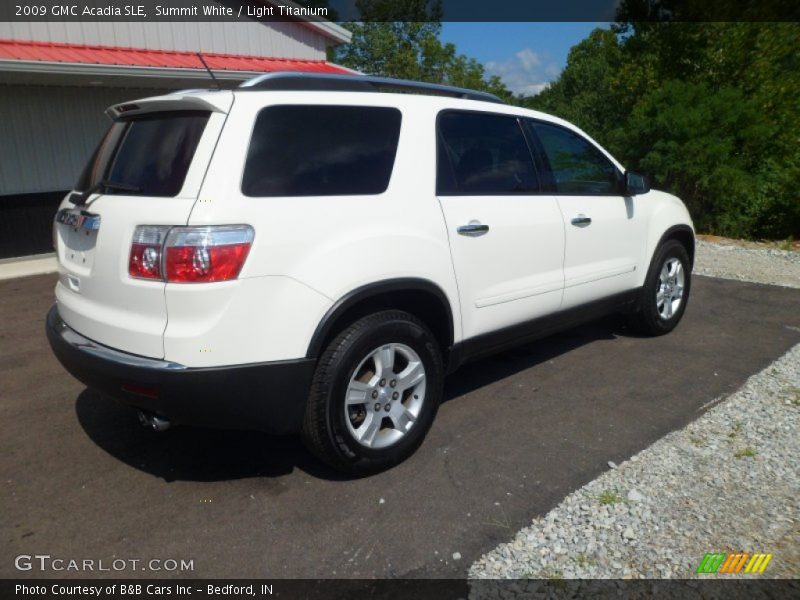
{"x":665,"y":292}
{"x":375,"y":393}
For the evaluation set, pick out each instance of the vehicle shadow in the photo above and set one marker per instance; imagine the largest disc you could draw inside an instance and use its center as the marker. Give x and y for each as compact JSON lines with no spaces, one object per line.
{"x":478,"y":374}
{"x":192,"y":453}
{"x":197,"y":454}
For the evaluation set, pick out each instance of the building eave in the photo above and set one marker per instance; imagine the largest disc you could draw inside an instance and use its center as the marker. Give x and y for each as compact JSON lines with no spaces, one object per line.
{"x":116,"y":75}
{"x":63,"y":68}
{"x":59,"y":60}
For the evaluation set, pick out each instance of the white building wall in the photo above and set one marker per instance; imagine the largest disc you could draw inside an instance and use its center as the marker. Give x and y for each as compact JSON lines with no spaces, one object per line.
{"x":282,"y":40}
{"x":48,"y":133}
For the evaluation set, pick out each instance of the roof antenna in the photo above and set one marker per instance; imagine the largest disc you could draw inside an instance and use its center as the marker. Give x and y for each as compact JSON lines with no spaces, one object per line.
{"x":205,"y":64}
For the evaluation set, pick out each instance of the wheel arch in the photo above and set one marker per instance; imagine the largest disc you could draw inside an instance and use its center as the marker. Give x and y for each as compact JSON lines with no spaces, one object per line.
{"x":683,"y":234}
{"x":419,"y":297}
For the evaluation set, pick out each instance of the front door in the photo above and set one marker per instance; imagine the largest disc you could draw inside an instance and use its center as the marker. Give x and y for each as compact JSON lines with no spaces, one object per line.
{"x":605,"y":231}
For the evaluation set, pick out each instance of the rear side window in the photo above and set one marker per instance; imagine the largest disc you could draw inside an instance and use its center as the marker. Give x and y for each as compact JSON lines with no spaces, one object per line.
{"x":321,"y":151}
{"x":483,"y":154}
{"x":578,"y":167}
{"x":146,"y":156}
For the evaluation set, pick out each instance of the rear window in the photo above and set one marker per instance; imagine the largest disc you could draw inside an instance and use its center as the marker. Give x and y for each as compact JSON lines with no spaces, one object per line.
{"x":146,"y":156}
{"x":321,"y":151}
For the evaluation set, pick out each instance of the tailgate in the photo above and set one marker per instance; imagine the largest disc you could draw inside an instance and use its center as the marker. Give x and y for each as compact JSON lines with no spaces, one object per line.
{"x":146,"y":171}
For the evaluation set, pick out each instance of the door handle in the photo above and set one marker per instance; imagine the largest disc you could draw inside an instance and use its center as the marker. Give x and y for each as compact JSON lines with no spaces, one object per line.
{"x":473,"y":229}
{"x":581,"y":221}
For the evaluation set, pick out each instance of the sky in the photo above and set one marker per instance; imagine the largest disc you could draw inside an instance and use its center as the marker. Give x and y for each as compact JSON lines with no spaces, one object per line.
{"x":526,"y":56}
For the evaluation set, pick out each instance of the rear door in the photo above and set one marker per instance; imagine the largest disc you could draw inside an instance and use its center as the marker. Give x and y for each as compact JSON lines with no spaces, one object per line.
{"x":506,"y":236}
{"x":147,"y":170}
{"x":605,"y":232}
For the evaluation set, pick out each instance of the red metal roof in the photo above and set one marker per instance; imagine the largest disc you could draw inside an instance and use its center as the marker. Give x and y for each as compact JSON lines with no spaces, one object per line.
{"x":140,"y":57}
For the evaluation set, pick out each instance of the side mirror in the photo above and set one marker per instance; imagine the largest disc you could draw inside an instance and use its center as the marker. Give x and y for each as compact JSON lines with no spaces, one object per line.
{"x":635,"y":184}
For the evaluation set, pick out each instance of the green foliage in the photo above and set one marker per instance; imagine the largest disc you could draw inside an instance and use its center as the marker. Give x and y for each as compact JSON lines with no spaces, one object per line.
{"x":581,"y":93}
{"x":701,"y":144}
{"x":748,"y":452}
{"x":709,"y":110}
{"x":400,"y":38}
{"x":609,"y":498}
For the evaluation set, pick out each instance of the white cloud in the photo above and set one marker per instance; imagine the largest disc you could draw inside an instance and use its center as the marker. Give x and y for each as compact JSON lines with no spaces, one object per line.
{"x":528,"y":59}
{"x":552,"y":70}
{"x":527,"y":72}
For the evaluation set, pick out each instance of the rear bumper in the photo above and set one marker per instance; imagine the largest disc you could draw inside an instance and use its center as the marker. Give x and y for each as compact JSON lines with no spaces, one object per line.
{"x":269,"y":397}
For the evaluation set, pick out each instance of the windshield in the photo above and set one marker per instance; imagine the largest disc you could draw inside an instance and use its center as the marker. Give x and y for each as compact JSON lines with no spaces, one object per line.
{"x":146,"y":156}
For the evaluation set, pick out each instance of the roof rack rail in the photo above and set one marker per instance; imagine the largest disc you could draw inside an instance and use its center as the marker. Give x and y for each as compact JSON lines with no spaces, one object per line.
{"x":323,"y":82}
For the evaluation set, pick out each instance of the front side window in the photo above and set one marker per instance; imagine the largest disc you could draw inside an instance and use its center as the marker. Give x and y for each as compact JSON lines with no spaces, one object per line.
{"x":483,"y":154}
{"x":578,"y":167}
{"x":146,"y":156}
{"x":321,"y":151}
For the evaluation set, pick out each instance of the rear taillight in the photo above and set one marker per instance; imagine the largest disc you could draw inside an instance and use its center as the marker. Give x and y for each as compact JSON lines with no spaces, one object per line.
{"x":206,"y":254}
{"x":190,"y":254}
{"x":146,"y":249}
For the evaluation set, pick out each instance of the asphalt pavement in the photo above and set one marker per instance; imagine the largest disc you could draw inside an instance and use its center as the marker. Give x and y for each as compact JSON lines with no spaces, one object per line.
{"x":517,"y":432}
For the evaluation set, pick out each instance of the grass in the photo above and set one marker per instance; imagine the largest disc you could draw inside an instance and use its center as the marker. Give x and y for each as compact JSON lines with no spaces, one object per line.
{"x":787,"y":244}
{"x":748,"y":452}
{"x":548,"y":573}
{"x":609,"y":498}
{"x":697,"y":441}
{"x":737,"y":429}
{"x":502,"y":521}
{"x":796,"y":397}
{"x":583,"y":561}
{"x":555,"y":578}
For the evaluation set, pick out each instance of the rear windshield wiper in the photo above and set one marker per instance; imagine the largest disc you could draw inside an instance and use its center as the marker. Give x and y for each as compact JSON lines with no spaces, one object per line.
{"x":80,"y":198}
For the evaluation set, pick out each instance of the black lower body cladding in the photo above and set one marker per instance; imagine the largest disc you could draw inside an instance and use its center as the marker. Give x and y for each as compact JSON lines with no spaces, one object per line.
{"x":267,"y":397}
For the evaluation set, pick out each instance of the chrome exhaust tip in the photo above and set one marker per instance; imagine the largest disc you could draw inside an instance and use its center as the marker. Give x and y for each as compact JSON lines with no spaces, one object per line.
{"x":153,"y":421}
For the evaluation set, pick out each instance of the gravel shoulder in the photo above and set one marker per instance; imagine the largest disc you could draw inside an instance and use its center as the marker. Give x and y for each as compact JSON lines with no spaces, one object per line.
{"x":748,"y":263}
{"x":728,"y":482}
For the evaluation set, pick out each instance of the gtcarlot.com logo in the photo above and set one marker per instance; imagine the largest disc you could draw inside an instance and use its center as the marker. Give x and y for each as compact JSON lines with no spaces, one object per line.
{"x":46,"y":562}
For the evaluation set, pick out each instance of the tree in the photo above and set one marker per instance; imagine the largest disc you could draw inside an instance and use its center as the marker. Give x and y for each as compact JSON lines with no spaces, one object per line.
{"x":708,"y":110}
{"x":705,"y":147}
{"x":400,"y":39}
{"x":582,"y":93}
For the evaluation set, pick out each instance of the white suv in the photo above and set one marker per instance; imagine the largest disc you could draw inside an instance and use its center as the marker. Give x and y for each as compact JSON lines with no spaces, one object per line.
{"x":314,"y":253}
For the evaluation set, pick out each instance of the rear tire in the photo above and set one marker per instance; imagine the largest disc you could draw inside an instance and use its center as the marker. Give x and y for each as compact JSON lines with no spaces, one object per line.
{"x":665,"y":292}
{"x":374,"y":394}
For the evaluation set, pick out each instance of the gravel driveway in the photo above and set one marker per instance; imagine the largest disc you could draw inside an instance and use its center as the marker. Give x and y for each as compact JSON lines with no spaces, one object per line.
{"x":728,"y":482}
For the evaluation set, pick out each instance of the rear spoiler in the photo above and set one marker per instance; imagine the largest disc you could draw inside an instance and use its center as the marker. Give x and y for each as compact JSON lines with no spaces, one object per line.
{"x":213,"y":101}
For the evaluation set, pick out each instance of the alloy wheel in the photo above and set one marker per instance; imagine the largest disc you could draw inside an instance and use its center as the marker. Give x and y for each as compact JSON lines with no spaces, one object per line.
{"x":671,"y":282}
{"x":385,"y":395}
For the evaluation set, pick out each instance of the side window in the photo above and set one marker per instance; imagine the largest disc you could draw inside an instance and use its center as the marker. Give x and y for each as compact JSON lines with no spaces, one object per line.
{"x":578,"y":167}
{"x":321,"y":151}
{"x":483,"y":154}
